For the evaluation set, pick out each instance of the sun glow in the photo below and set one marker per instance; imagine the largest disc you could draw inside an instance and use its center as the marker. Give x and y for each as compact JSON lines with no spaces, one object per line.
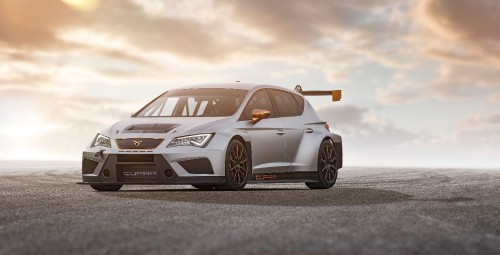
{"x":82,"y":5}
{"x":21,"y":118}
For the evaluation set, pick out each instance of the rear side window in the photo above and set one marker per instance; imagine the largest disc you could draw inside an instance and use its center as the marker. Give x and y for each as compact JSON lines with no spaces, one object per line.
{"x":287,"y":105}
{"x":300,"y":102}
{"x":259,"y":100}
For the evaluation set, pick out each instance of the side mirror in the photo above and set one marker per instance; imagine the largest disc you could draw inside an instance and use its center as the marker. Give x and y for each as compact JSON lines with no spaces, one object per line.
{"x":259,"y":114}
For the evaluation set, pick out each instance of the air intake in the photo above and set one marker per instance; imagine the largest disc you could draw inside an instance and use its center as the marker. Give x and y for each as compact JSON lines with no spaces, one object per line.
{"x":88,"y":166}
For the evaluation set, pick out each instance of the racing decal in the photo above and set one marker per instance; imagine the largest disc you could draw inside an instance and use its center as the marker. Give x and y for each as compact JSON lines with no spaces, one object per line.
{"x":139,"y":173}
{"x":262,"y":177}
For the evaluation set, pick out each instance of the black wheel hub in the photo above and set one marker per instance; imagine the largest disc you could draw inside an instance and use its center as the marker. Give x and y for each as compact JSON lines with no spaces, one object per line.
{"x":328,"y":164}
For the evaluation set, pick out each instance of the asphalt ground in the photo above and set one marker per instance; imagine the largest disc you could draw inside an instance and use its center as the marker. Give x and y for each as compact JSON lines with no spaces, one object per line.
{"x":368,"y":211}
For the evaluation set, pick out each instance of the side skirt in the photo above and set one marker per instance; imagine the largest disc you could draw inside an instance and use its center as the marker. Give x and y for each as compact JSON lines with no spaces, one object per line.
{"x":175,"y":180}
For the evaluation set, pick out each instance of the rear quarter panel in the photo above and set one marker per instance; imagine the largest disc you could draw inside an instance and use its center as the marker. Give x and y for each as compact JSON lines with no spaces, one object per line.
{"x":307,"y":154}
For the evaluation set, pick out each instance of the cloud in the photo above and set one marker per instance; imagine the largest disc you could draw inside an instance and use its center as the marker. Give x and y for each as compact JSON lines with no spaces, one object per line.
{"x":179,"y":36}
{"x":33,"y":24}
{"x":473,"y":142}
{"x":465,"y":81}
{"x":148,"y":42}
{"x":398,"y":97}
{"x":363,"y":126}
{"x":403,"y":89}
{"x":23,"y":25}
{"x":369,"y":140}
{"x":332,"y":36}
{"x":480,"y":120}
{"x":473,"y":25}
{"x":300,"y":24}
{"x":233,"y":30}
{"x":366,"y":138}
{"x":463,"y":37}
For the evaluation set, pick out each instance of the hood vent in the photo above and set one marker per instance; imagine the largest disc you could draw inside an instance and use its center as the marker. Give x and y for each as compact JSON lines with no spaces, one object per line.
{"x":149,"y":128}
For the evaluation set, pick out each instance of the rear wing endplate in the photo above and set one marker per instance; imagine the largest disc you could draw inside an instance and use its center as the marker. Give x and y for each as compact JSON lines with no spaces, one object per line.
{"x":336,"y":94}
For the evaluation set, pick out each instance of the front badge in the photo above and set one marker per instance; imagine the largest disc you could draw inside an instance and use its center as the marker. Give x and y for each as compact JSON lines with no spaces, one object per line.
{"x":137,"y":143}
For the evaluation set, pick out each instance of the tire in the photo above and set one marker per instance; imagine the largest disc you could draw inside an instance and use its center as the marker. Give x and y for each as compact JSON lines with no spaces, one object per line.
{"x":204,"y":186}
{"x":104,"y":187}
{"x":327,"y":167}
{"x":237,"y":166}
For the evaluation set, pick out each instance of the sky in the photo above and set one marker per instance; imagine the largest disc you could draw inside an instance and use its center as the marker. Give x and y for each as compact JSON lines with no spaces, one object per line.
{"x":420,"y":79}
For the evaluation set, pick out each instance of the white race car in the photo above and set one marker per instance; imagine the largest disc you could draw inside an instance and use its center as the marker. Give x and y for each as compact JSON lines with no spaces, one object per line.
{"x":218,"y":136}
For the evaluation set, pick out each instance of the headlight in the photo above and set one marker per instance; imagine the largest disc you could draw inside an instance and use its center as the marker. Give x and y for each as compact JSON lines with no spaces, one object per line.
{"x":191,"y":140}
{"x":102,"y":140}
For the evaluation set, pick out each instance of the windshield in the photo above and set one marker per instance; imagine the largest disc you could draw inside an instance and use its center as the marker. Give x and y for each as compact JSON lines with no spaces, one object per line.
{"x":194,"y":103}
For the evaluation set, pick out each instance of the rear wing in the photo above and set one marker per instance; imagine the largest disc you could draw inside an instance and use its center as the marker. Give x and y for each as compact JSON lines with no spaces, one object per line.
{"x":336,"y":94}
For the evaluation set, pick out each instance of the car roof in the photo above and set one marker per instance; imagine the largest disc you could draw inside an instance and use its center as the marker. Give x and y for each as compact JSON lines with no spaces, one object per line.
{"x":233,"y":85}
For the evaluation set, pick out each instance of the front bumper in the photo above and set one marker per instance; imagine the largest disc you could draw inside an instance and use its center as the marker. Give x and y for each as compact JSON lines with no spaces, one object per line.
{"x":152,"y":168}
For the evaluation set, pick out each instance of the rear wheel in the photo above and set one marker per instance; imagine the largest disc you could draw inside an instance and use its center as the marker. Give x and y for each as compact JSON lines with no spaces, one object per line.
{"x":203,"y":186}
{"x":327,"y":167}
{"x":102,"y":187}
{"x":237,"y":166}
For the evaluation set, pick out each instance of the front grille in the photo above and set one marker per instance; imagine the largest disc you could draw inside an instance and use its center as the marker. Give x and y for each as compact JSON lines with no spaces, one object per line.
{"x":88,"y":166}
{"x":138,"y":143}
{"x":135,"y":158}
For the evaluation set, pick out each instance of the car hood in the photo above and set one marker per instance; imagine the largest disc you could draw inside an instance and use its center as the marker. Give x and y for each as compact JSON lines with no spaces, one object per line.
{"x":165,"y":127}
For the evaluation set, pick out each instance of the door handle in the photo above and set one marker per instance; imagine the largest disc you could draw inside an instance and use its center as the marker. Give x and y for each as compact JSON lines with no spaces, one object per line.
{"x":309,"y":130}
{"x":280,"y":132}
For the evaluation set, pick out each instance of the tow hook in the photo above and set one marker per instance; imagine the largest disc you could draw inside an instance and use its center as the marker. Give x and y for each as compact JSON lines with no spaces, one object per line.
{"x":99,"y":153}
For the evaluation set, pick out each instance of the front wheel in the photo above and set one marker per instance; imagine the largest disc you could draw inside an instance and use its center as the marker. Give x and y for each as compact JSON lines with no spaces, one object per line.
{"x":102,"y":187}
{"x":327,"y":167}
{"x":237,"y":166}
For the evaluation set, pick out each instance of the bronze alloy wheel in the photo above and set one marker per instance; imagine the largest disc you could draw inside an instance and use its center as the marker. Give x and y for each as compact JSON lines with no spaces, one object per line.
{"x":237,"y":166}
{"x":327,"y":167}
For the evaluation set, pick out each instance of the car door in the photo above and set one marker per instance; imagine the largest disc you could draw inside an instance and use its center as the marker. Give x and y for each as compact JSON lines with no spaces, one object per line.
{"x":289,"y":110}
{"x":267,"y":136}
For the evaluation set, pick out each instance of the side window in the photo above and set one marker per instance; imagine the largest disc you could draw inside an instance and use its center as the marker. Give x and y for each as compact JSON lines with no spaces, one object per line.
{"x":259,"y":100}
{"x":300,"y":102}
{"x":287,"y":106}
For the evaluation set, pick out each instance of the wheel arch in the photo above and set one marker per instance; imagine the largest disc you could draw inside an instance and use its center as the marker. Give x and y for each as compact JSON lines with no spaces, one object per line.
{"x":337,"y":146}
{"x":306,"y":156}
{"x":248,"y":146}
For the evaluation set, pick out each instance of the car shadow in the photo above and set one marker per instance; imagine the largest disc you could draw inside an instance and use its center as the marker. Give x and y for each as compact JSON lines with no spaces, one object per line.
{"x":336,"y":196}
